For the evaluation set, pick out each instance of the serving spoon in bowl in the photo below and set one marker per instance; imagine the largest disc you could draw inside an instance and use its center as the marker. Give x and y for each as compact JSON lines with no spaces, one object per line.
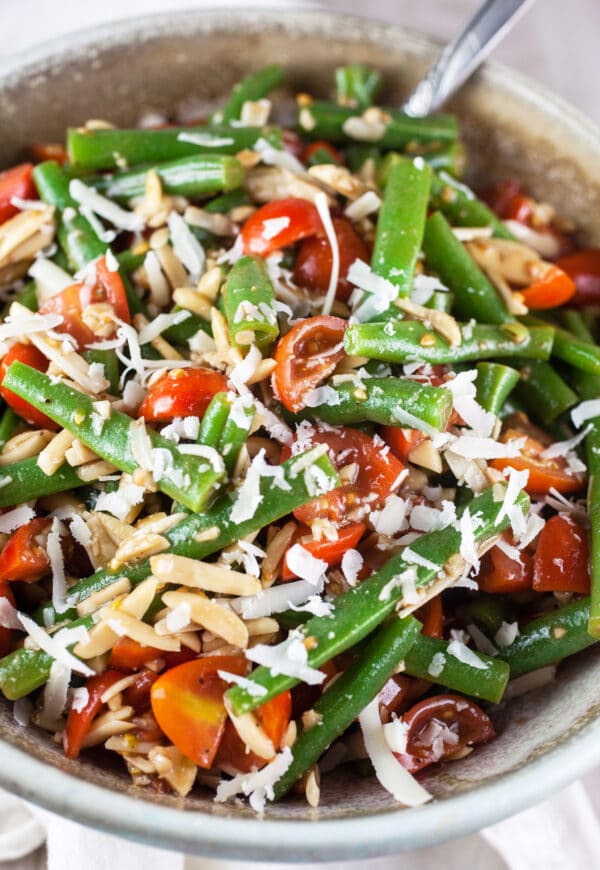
{"x":488,"y":26}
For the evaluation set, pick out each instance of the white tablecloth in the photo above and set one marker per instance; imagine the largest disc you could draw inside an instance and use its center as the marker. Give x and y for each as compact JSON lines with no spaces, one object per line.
{"x":555,"y":43}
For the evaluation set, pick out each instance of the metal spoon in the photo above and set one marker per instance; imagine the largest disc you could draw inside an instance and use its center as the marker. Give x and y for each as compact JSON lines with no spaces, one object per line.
{"x":490,"y":24}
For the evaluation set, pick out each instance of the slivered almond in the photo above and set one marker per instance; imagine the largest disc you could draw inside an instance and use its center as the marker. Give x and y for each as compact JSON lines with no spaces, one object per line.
{"x":252,"y":733}
{"x":25,"y":445}
{"x":121,"y":623}
{"x":440,"y":321}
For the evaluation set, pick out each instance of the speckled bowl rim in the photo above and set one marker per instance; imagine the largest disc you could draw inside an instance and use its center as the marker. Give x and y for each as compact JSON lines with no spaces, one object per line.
{"x":356,"y":837}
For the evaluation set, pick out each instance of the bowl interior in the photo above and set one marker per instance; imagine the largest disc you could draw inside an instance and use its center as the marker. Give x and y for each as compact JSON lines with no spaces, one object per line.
{"x":189,"y":61}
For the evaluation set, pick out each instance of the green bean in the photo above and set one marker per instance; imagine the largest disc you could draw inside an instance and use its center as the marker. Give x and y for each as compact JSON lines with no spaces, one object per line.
{"x":110,"y":149}
{"x":462,"y":208}
{"x":27,"y":296}
{"x":409,"y":341}
{"x":250,"y":304}
{"x":383,"y":400}
{"x":487,"y":682}
{"x":213,"y":421}
{"x":359,"y":610}
{"x":193,"y":177}
{"x":494,"y":383}
{"x":25,"y":481}
{"x":450,"y":157}
{"x":549,"y":638}
{"x":490,"y":611}
{"x":183,"y":538}
{"x":110,"y":363}
{"x":573,"y":321}
{"x":189,"y":479}
{"x":356,"y":85}
{"x":440,"y":300}
{"x":592,"y":443}
{"x":543,"y":392}
{"x":321,"y":156}
{"x":129,"y":262}
{"x":324,"y":120}
{"x":234,"y":436}
{"x":348,"y":696}
{"x":583,"y":355}
{"x":8,"y":423}
{"x":254,"y":86}
{"x":474,"y":296}
{"x":226,"y":202}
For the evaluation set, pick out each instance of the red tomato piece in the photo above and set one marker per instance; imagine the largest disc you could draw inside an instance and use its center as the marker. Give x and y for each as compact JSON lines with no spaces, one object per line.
{"x":181,"y":393}
{"x":305,"y":356}
{"x":260,"y":236}
{"x":79,"y":721}
{"x":321,"y":145}
{"x":544,"y":473}
{"x":15,"y":182}
{"x":49,"y":151}
{"x":432,"y":617}
{"x":399,"y":693}
{"x":376,"y":474}
{"x":402,"y":441}
{"x":292,"y":143}
{"x":314,"y":260}
{"x":138,"y":694}
{"x":561,"y":562}
{"x":71,"y":303}
{"x":499,"y":574}
{"x":329,"y":551}
{"x":24,"y":556}
{"x":274,"y":716}
{"x":6,"y":634}
{"x":510,"y":203}
{"x":187,"y":702}
{"x":584,"y":269}
{"x":31,"y":356}
{"x":552,"y":289}
{"x":440,"y":726}
{"x":129,"y":655}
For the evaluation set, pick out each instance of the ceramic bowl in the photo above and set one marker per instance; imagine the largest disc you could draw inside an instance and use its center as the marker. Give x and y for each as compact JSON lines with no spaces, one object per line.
{"x":511,"y":127}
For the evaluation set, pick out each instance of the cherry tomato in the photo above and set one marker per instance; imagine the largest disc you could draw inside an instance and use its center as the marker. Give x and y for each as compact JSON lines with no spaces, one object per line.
{"x":402,"y":441}
{"x":305,"y":356}
{"x":79,"y":721}
{"x":6,"y":634}
{"x":375,"y":476}
{"x":187,"y":702}
{"x":320,"y":145}
{"x":499,"y":574}
{"x":292,"y":143}
{"x":31,"y":356}
{"x":329,"y":551}
{"x":129,"y":655}
{"x":510,"y":203}
{"x":440,"y":726}
{"x":181,"y":393}
{"x":24,"y":556}
{"x":314,"y":260}
{"x":138,"y":694}
{"x":49,"y":151}
{"x":561,"y":562}
{"x":432,"y":617}
{"x":72,"y":302}
{"x":552,"y":289}
{"x":274,"y":717}
{"x":259,"y":236}
{"x":584,"y":269}
{"x":15,"y":182}
{"x":399,"y":693}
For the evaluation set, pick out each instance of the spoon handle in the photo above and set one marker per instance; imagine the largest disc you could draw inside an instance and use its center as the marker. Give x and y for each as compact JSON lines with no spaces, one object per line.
{"x":490,"y":23}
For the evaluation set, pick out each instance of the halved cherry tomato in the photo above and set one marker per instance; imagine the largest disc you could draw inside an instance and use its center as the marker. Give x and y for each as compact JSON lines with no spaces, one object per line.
{"x":402,"y":441}
{"x":544,"y":473}
{"x":129,"y":655}
{"x":305,"y":356}
{"x":181,"y":393}
{"x":584,"y":269}
{"x":24,"y":556}
{"x":432,"y":617}
{"x":72,"y":302}
{"x":6,"y":634}
{"x":292,"y":143}
{"x":376,"y":473}
{"x":440,"y":726}
{"x":329,"y":551}
{"x":79,"y":721}
{"x":187,"y":702}
{"x":138,"y":694}
{"x":321,"y":145}
{"x":499,"y":574}
{"x":399,"y":693}
{"x":561,"y":562}
{"x":16,"y":182}
{"x":260,"y":236}
{"x":31,"y":356}
{"x":509,"y":202}
{"x":274,"y":716}
{"x":314,"y":260}
{"x":552,"y":289}
{"x":49,"y":151}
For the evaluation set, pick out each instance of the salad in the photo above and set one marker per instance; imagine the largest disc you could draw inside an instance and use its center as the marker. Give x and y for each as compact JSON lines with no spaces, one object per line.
{"x":296,"y":438}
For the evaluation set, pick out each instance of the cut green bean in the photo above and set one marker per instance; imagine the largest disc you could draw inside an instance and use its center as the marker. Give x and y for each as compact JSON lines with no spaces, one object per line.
{"x":543,"y":392}
{"x":474,"y":296}
{"x":325,"y":120}
{"x":109,"y":362}
{"x":190,"y":480}
{"x":592,"y":444}
{"x":410,"y":341}
{"x":494,"y":383}
{"x":450,"y":158}
{"x":583,"y":355}
{"x":111,"y":148}
{"x":226,"y":202}
{"x":550,"y":638}
{"x":462,"y":208}
{"x":359,"y":610}
{"x":234,"y":436}
{"x":193,"y":177}
{"x":347,"y":697}
{"x":574,"y":322}
{"x":8,"y":423}
{"x":27,"y":296}
{"x":213,"y":421}
{"x":254,"y":86}
{"x":356,"y":85}
{"x":250,"y":304}
{"x":432,"y":659}
{"x":25,"y":481}
{"x":388,"y":401}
